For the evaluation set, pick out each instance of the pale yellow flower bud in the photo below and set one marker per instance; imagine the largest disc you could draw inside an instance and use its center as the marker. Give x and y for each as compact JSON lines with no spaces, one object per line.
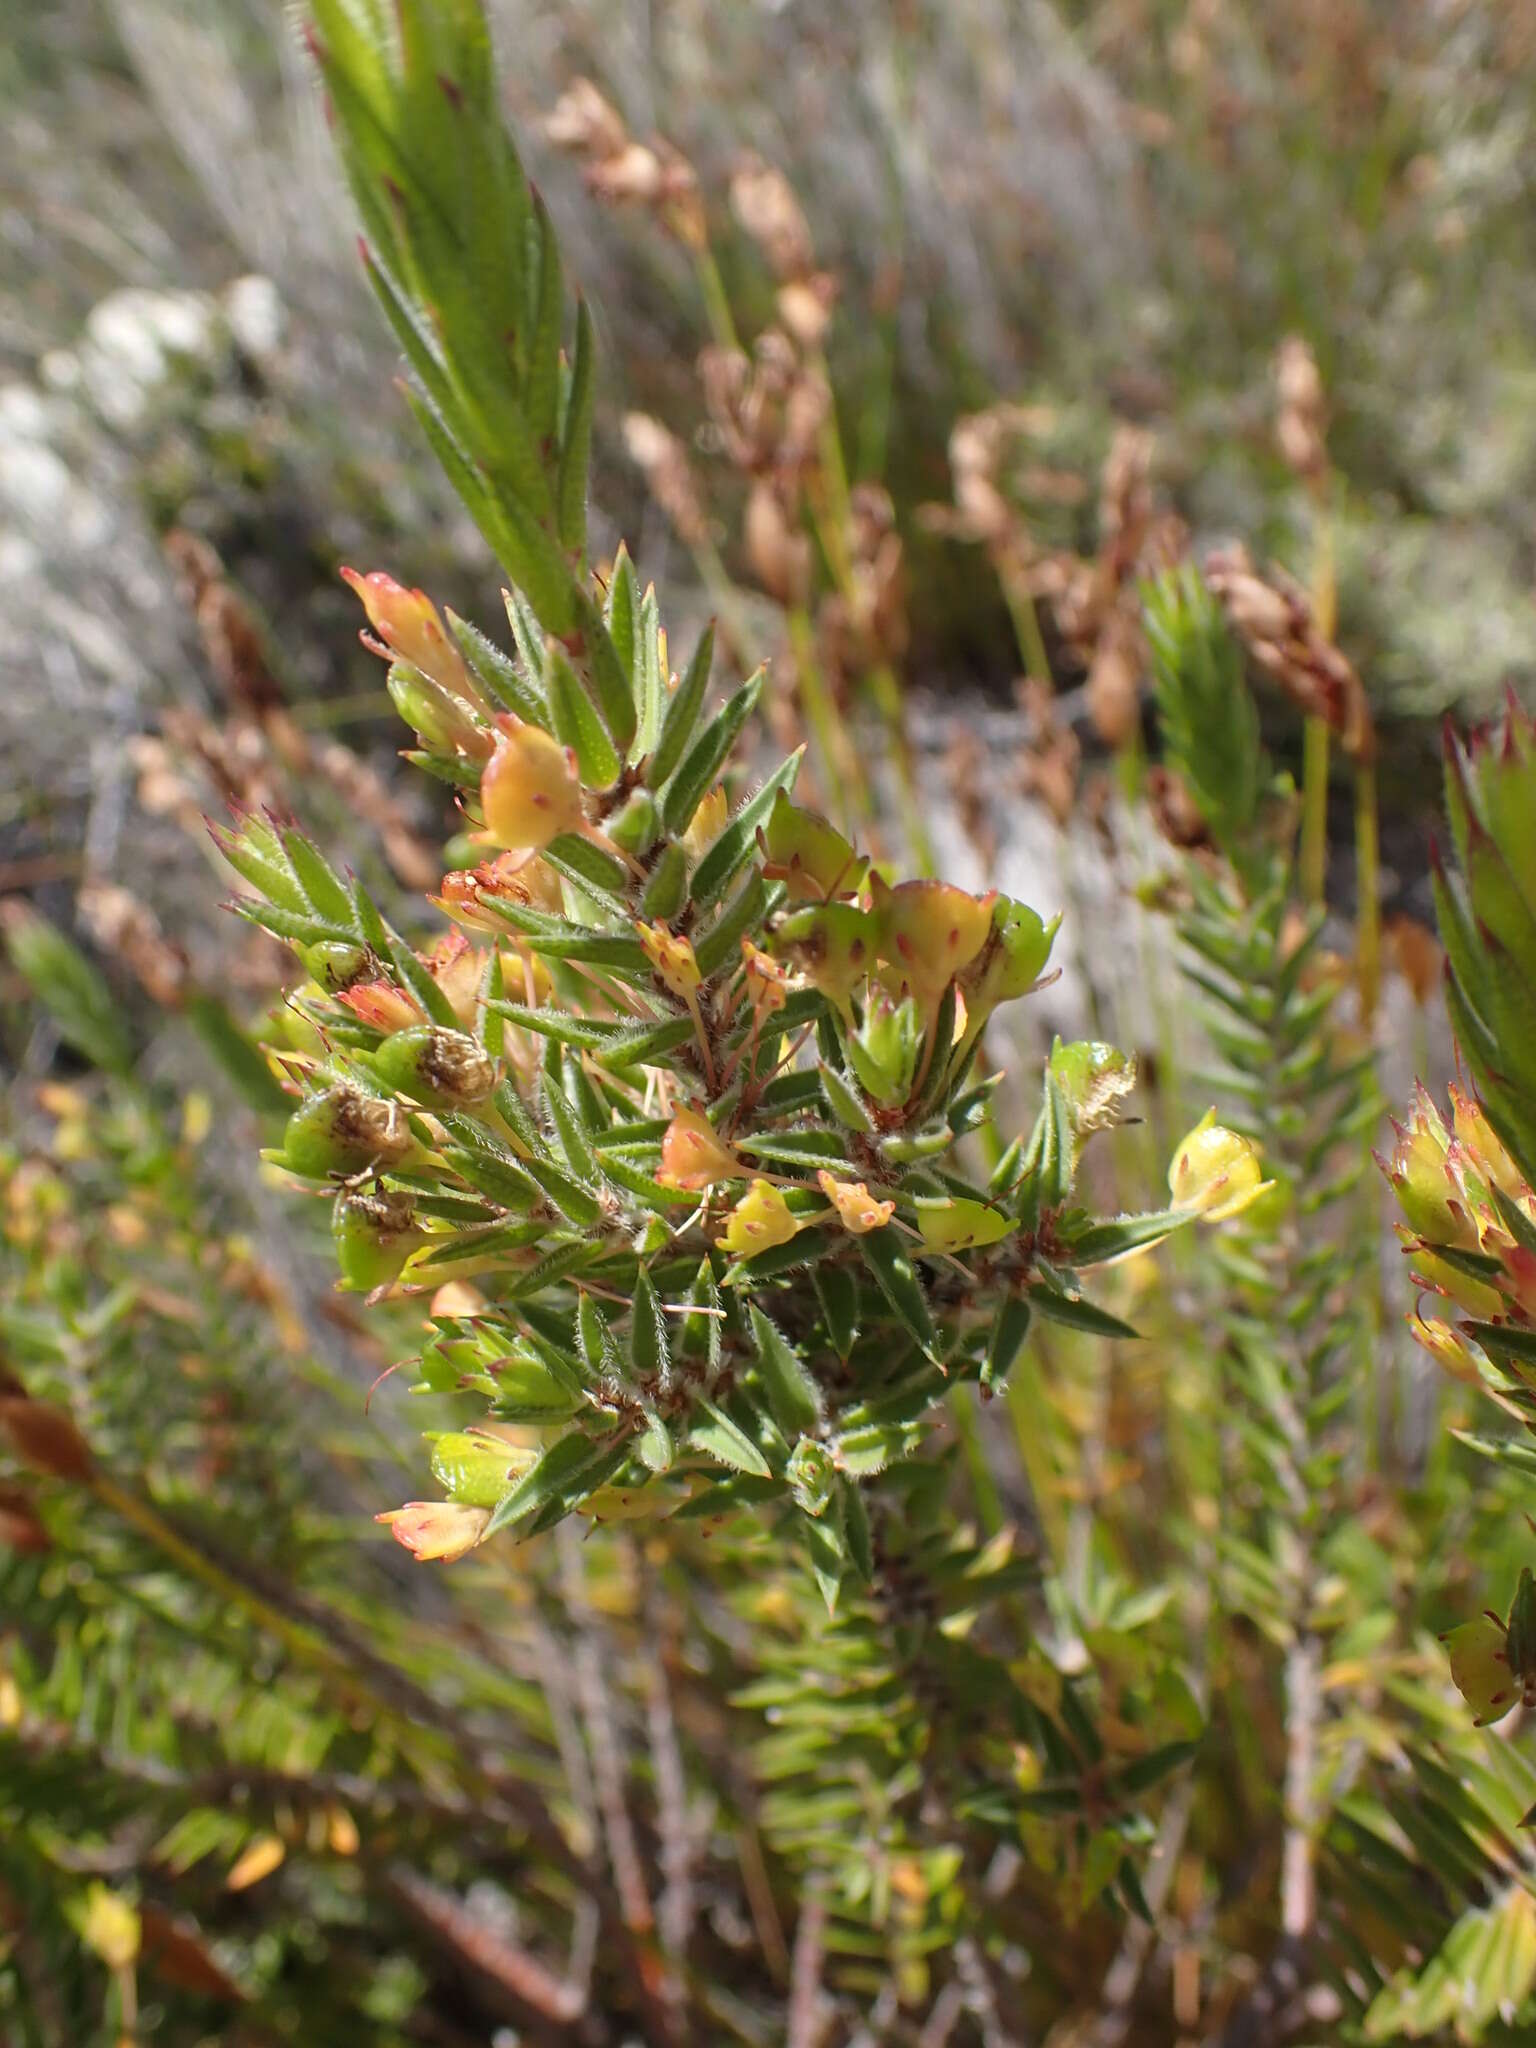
{"x":859,"y":1210}
{"x":1216,"y":1172}
{"x":440,"y":1529}
{"x":692,"y":1156}
{"x":530,"y":791}
{"x":761,"y":1219}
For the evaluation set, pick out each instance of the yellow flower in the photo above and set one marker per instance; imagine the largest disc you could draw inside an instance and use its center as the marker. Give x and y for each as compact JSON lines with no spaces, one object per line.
{"x":109,"y":1927}
{"x":854,"y":1203}
{"x":673,"y":958}
{"x":530,"y":791}
{"x":766,"y":982}
{"x":1424,"y":1179}
{"x":1481,"y":1145}
{"x":441,"y":1529}
{"x":1480,"y":1668}
{"x":259,"y":1860}
{"x":928,"y":931}
{"x":457,"y":1298}
{"x":707,"y":822}
{"x":692,"y":1156}
{"x":381,"y":1004}
{"x":1446,"y":1346}
{"x":341,"y":1832}
{"x":1216,"y":1172}
{"x":515,"y":877}
{"x":760,"y":1219}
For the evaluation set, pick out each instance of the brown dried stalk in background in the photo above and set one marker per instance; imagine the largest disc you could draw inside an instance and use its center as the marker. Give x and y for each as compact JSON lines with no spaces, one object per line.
{"x":258,"y":751}
{"x":1274,"y":619}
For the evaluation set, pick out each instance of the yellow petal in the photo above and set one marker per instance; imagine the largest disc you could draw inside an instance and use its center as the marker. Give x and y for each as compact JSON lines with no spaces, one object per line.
{"x":1216,"y":1172}
{"x":436,"y":1530}
{"x":673,"y":958}
{"x":859,"y":1211}
{"x":530,"y":791}
{"x":1480,"y":1668}
{"x":259,"y":1859}
{"x":693,"y":1156}
{"x":761,"y":1218}
{"x":109,"y":1927}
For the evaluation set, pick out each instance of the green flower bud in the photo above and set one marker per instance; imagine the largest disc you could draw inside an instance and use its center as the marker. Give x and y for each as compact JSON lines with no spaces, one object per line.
{"x":445,"y":722}
{"x":439,"y":1068}
{"x":1010,"y":962}
{"x":1095,"y":1079}
{"x":636,"y":825}
{"x":375,"y":1235}
{"x":883,"y":1052}
{"x":335,"y":965}
{"x":1493,"y":1662}
{"x":832,"y":945}
{"x":291,"y":1023}
{"x":667,"y":889}
{"x":812,"y":1476}
{"x":477,"y":1468}
{"x":343,"y":1130}
{"x":813,"y":860}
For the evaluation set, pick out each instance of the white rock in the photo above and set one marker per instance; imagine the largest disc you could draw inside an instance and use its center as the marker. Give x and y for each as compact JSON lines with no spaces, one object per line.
{"x":134,"y":340}
{"x":20,"y":561}
{"x":60,"y":370}
{"x":35,"y":484}
{"x":257,"y":317}
{"x":24,"y":414}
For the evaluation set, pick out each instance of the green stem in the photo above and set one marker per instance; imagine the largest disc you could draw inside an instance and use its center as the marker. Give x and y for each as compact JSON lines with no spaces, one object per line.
{"x":1314,"y":810}
{"x":831,"y":509}
{"x":886,"y":692}
{"x":1026,"y":628}
{"x":717,"y":306}
{"x":725,"y":598}
{"x":1314,"y":790}
{"x":989,"y":1502}
{"x":835,"y":473}
{"x":845,"y":783}
{"x":1367,"y":888}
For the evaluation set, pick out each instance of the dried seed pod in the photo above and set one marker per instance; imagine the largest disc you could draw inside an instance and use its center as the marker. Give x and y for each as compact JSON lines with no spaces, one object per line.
{"x":374,"y":1236}
{"x":343,"y":1129}
{"x":439,"y":1068}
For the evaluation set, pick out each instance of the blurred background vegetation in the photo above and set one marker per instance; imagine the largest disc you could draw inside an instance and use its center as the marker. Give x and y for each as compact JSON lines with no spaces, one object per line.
{"x":1105,"y":213}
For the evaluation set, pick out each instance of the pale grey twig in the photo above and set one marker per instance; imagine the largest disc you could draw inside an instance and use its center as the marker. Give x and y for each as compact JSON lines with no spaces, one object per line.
{"x":806,"y":2004}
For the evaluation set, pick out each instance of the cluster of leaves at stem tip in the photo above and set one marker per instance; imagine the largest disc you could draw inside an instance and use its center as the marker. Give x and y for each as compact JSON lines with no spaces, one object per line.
{"x":682,"y":1095}
{"x":1466,"y":1185}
